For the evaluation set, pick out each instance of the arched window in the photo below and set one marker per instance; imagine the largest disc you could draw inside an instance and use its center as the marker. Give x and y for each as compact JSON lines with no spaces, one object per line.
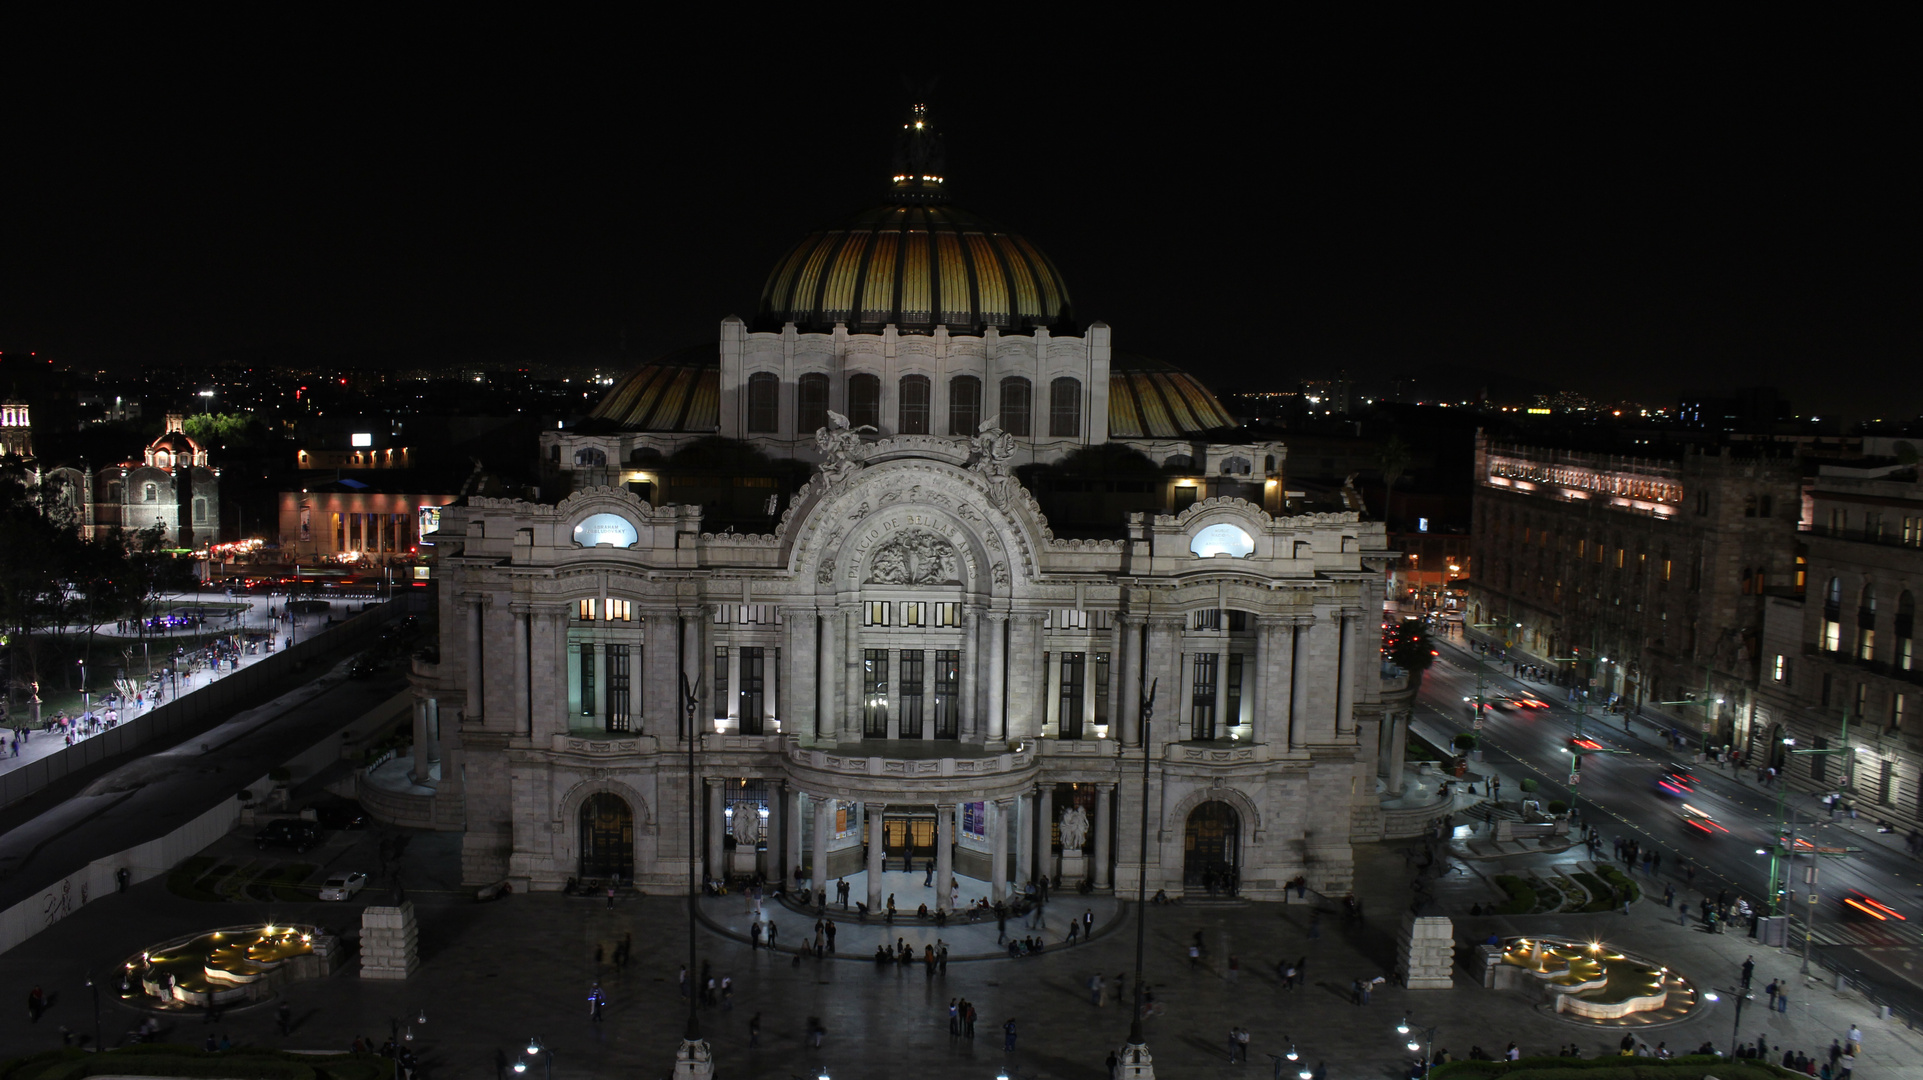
{"x":1017,"y":401}
{"x":150,"y":493}
{"x":1866,"y":625}
{"x":864,"y":400}
{"x":1905,"y":630}
{"x":811,"y":403}
{"x":915,"y":394}
{"x":764,"y":403}
{"x":1065,"y":409}
{"x":590,"y":457}
{"x":964,"y":405}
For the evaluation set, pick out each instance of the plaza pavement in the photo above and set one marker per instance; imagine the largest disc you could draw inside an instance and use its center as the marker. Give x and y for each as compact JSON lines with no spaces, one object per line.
{"x":496,"y":974}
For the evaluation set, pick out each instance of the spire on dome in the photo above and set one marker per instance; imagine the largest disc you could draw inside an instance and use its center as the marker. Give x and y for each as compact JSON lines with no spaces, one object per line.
{"x":919,"y":164}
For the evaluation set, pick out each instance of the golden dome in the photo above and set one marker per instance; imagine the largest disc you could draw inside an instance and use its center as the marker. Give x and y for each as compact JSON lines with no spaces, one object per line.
{"x":915,"y":262}
{"x":1153,"y":400}
{"x":677,"y":392}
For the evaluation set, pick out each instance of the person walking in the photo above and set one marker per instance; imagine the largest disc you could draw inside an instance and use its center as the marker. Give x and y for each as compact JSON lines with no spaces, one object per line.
{"x":595,"y":1000}
{"x":1235,"y":1042}
{"x":1008,"y":1036}
{"x":1856,"y":1040}
{"x":1749,"y":970}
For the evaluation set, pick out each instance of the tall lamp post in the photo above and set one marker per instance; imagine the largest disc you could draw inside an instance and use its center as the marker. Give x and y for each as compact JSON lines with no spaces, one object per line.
{"x":1427,"y":1044}
{"x":1136,"y":1063}
{"x":695,"y":1058}
{"x":536,"y":1049}
{"x":1740,"y":995}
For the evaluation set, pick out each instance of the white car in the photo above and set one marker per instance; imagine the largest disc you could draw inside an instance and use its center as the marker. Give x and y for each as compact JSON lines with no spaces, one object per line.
{"x":342,"y":886}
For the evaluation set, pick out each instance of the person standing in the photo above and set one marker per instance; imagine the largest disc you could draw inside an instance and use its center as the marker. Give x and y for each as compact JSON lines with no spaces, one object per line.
{"x":1088,"y":924}
{"x":954,"y":1017}
{"x":1008,"y":1036}
{"x":1749,"y":970}
{"x":754,"y":1030}
{"x":1856,"y":1042}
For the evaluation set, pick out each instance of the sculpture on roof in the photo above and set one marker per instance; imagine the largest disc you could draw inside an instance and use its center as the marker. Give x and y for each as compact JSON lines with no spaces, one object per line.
{"x":840,"y":445}
{"x":993,"y":448}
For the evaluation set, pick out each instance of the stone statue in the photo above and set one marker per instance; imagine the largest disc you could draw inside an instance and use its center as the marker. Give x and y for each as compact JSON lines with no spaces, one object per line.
{"x":840,"y":445}
{"x":993,"y":449}
{"x":747,"y":825}
{"x":1074,"y":828}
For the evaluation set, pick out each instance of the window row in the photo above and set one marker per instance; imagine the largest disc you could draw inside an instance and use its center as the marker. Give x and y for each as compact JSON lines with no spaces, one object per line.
{"x":915,"y":404}
{"x":911,"y":613}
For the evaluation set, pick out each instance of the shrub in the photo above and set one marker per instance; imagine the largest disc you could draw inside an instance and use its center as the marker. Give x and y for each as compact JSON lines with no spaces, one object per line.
{"x":1621,"y":881}
{"x":1528,"y":783}
{"x":1522,"y":895}
{"x":1465,"y":741}
{"x":1557,"y":806}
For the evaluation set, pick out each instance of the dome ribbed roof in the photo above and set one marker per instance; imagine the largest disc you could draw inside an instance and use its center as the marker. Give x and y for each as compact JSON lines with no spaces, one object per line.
{"x":1150,"y":399}
{"x":678,"y":392}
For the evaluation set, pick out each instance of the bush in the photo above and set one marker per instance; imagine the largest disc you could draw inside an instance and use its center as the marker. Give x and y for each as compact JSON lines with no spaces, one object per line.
{"x":1621,"y":881}
{"x":1557,"y":806}
{"x":1465,"y":741}
{"x":1528,"y":783}
{"x":164,"y":1059}
{"x":184,"y":880}
{"x":1522,"y":895}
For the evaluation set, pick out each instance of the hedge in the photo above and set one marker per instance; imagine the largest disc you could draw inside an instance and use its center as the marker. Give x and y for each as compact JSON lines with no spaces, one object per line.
{"x":1621,"y":881}
{"x":1614,"y":1067}
{"x":1522,"y":895}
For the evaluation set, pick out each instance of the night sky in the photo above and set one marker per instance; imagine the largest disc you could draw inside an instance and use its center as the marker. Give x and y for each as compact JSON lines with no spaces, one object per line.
{"x":1629,"y":212}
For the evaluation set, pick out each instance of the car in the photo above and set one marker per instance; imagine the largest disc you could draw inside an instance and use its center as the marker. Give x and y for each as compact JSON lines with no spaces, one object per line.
{"x":343,"y":886}
{"x":1676,"y":780}
{"x":296,"y":834}
{"x":1527,"y":702}
{"x":340,"y":815}
{"x":1701,"y":819}
{"x":1856,"y":902}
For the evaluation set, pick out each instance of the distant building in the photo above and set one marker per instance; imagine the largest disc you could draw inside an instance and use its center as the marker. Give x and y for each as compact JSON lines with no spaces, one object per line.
{"x":354,"y":519}
{"x":174,"y":487}
{"x":1636,"y":576}
{"x":1840,"y":669}
{"x":16,"y":429}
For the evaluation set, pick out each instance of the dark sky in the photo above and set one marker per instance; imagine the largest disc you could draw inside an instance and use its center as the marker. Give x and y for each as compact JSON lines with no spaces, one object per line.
{"x":1627,"y":211}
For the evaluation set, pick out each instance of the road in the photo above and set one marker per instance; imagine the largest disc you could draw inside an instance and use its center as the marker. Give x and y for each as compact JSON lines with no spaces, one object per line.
{"x":1618,"y":795}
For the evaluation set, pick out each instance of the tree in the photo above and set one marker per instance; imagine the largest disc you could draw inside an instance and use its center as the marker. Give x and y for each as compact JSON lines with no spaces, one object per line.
{"x":41,"y":553}
{"x":1393,"y":460}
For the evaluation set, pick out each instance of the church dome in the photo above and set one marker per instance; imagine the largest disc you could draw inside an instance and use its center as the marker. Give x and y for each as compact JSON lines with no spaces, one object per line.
{"x":1148,"y":399}
{"x":915,"y":262}
{"x":677,"y":392}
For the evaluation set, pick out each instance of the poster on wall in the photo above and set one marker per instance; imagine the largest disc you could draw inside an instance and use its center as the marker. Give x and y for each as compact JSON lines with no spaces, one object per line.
{"x":841,"y":820}
{"x":975,"y":818}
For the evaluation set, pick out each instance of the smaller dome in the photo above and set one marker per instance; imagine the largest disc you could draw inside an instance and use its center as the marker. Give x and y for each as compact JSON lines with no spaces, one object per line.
{"x":677,"y":392}
{"x":177,"y":441}
{"x":1148,"y":399}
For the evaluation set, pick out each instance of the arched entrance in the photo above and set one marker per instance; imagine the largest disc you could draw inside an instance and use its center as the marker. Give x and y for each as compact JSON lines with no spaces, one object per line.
{"x":1211,"y":849}
{"x":607,"y":837}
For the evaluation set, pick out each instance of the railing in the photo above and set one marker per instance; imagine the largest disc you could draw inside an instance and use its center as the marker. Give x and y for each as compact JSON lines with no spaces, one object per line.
{"x":1880,"y":537}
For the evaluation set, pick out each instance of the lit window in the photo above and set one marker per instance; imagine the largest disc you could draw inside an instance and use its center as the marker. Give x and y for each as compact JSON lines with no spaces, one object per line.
{"x":912,"y":613}
{"x":587,"y":610}
{"x":1222,"y":539}
{"x":877,"y":613}
{"x":620,"y":611}
{"x":1777,"y":669}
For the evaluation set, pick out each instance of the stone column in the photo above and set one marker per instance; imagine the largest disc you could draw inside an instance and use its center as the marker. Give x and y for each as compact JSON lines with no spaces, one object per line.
{"x":1398,"y":749}
{"x":771,"y":862}
{"x":1223,"y":721}
{"x":1104,"y":808}
{"x":851,"y":673}
{"x":476,"y":706}
{"x":1128,"y":675}
{"x":419,"y":772}
{"x":1088,"y":692}
{"x":969,"y":727}
{"x":660,"y":681}
{"x":997,"y":810}
{"x":1301,"y":679}
{"x":1024,"y":840}
{"x":875,"y":849}
{"x":791,"y":853}
{"x":827,"y":673}
{"x":824,"y":832}
{"x":1044,"y":832}
{"x":1345,"y":676}
{"x":1051,"y":717}
{"x":732,"y":705}
{"x":1258,"y":695}
{"x":1162,"y":661}
{"x":795,"y":707}
{"x":997,"y":676}
{"x":518,"y":709}
{"x":433,"y":729}
{"x":717,"y":827}
{"x":944,"y":852}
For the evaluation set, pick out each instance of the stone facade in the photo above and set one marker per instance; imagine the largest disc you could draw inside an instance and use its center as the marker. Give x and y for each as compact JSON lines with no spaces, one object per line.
{"x":912,"y":656}
{"x":1660,"y":565}
{"x":390,"y":941}
{"x":1426,"y":952}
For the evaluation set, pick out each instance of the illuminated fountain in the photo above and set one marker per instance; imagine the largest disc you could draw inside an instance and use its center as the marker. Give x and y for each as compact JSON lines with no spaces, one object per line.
{"x":232,"y":965}
{"x":1589,"y":980}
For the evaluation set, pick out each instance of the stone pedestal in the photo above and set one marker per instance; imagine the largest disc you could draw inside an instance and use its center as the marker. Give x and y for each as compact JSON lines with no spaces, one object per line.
{"x":693,"y":1060}
{"x":1133,"y":1063}
{"x":390,"y":942}
{"x":1074,"y":867}
{"x":1425,"y":953}
{"x":744,"y":862}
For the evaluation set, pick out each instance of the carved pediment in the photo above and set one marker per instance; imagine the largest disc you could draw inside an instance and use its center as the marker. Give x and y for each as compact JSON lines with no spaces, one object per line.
{"x":915,"y":558}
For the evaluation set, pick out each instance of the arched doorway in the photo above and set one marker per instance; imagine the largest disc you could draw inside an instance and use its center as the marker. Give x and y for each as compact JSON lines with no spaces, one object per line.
{"x":1778,"y":753}
{"x":607,"y":837}
{"x":1211,"y":849}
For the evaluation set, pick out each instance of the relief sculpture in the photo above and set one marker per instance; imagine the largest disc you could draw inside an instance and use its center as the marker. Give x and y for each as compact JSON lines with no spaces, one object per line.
{"x":915,"y":558}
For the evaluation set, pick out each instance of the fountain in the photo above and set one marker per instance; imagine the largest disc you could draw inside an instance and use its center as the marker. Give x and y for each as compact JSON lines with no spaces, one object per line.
{"x":229,"y":966}
{"x":1587,"y":980}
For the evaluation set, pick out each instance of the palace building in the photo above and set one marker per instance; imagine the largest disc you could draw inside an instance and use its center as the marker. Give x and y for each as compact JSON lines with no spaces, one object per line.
{"x":910,"y":662}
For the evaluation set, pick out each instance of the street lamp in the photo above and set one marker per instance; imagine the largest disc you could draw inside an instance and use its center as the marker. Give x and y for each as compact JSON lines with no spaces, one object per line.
{"x":96,"y":1014}
{"x":86,"y":705}
{"x":1136,"y":1050}
{"x":535,"y":1049}
{"x":396,"y":1038}
{"x":1421,"y":1040}
{"x":1736,"y":1027}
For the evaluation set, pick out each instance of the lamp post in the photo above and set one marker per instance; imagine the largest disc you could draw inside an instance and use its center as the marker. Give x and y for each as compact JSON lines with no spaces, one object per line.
{"x":536,"y":1049}
{"x":694,"y":1058}
{"x":1736,"y":1027}
{"x":1291,"y":1059}
{"x":1427,"y":1044}
{"x":95,"y":990}
{"x":1136,"y":1063}
{"x":86,"y":705}
{"x":395,"y":1038}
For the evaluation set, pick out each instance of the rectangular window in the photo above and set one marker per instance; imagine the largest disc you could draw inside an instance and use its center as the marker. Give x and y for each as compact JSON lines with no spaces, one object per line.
{"x":876,"y":613}
{"x":1069,"y":720}
{"x":586,"y":610}
{"x":914,"y":613}
{"x":912,"y":675}
{"x":1885,"y":782}
{"x":1669,"y":568}
{"x":1619,"y":558}
{"x":1776,"y":670}
{"x":1832,"y":635}
{"x":1866,"y":645}
{"x":874,"y":693}
{"x":1862,"y":700}
{"x":752,"y":696}
{"x":1234,"y":689}
{"x":1582,"y":548}
{"x":1202,"y":698}
{"x":948,"y":614}
{"x":947,"y":693}
{"x":1238,"y":622}
{"x":587,"y":679}
{"x":1101,"y":688}
{"x":1904,"y":660}
{"x":721,"y":687}
{"x":620,"y":611}
{"x":1210,"y":619}
{"x":1899,"y":704}
{"x":1824,"y":698}
{"x":618,"y":688}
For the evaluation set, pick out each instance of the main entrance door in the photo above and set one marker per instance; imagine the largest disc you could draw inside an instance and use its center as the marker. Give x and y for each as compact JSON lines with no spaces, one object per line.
{"x":1210,"y":849}
{"x":607,"y":837}
{"x":911,"y":839}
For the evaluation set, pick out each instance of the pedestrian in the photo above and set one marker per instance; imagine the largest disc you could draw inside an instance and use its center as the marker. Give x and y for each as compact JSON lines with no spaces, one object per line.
{"x":1771,"y":991}
{"x":1782,"y":999}
{"x":754,"y":1030}
{"x":610,"y":898}
{"x":1074,"y":928}
{"x":831,"y":935}
{"x":1095,"y":987}
{"x":1235,"y":1043}
{"x":815,"y":1032}
{"x":1749,"y":970}
{"x":1856,"y":1040}
{"x":595,"y":1000}
{"x":1008,"y":1036}
{"x":1235,"y":969}
{"x":1088,"y":921}
{"x":1669,"y":895}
